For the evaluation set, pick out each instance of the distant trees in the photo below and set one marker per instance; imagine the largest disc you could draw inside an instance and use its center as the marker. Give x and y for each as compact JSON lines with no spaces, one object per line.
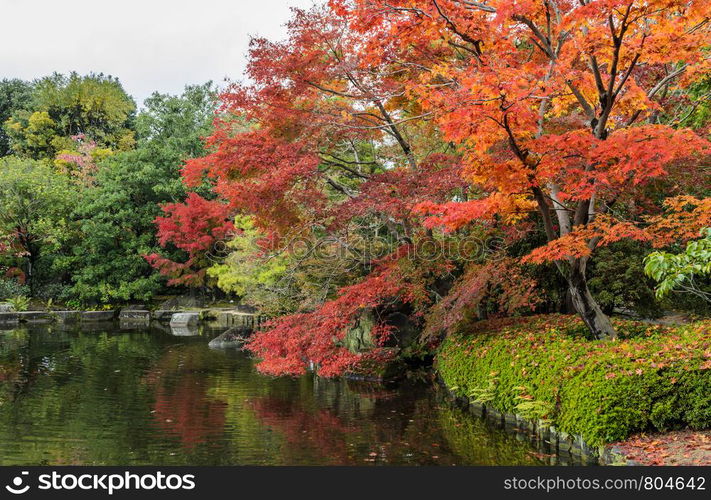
{"x":115,"y":217}
{"x":86,"y":180}
{"x":15,"y":95}
{"x":61,"y":107}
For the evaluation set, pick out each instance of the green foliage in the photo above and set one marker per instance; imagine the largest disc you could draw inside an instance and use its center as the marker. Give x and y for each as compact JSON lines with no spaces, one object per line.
{"x":533,"y":409}
{"x":686,"y":272}
{"x":696,"y":113}
{"x":617,"y":279}
{"x":15,"y":95}
{"x":60,"y":107}
{"x":19,"y":303}
{"x":117,"y":214}
{"x":604,"y":391}
{"x":174,"y":126}
{"x":35,"y":202}
{"x":486,"y":394}
{"x":12,"y":288}
{"x":243,"y":271}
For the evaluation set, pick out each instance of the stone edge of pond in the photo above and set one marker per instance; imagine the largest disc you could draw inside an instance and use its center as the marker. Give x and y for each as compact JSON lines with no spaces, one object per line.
{"x":227,"y":318}
{"x":564,"y":445}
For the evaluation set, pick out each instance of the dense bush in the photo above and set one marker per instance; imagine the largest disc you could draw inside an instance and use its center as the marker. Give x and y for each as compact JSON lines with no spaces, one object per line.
{"x":656,"y":378}
{"x":617,"y":279}
{"x":11,"y":288}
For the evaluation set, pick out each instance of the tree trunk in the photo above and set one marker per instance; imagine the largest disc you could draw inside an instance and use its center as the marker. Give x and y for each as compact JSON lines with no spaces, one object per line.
{"x":30,"y":281}
{"x":586,"y":305}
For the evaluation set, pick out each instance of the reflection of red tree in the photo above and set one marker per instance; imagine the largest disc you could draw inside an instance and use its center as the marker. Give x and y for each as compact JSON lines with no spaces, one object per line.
{"x":319,"y":429}
{"x":391,"y":431}
{"x":371,"y":390}
{"x":182,"y":406}
{"x":185,"y":410}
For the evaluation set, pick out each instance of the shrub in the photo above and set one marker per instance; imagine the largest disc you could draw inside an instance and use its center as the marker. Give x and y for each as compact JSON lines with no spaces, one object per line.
{"x":655,"y":378}
{"x":11,"y":288}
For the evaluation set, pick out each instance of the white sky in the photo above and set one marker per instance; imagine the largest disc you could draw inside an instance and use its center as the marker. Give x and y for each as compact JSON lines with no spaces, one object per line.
{"x":150,"y":45}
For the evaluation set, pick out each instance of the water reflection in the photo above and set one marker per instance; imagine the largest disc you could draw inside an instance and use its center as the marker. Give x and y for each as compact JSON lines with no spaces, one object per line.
{"x":184,"y":331}
{"x":145,"y":396}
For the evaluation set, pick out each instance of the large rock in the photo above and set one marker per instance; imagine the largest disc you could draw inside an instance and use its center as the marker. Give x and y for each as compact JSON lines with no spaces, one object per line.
{"x":185,"y":319}
{"x":130,"y":315}
{"x":6,"y":308}
{"x":234,"y":338}
{"x":237,"y":319}
{"x":359,"y":338}
{"x":163,"y":315}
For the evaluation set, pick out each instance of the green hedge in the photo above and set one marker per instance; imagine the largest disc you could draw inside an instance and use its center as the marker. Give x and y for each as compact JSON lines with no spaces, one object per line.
{"x":656,"y":378}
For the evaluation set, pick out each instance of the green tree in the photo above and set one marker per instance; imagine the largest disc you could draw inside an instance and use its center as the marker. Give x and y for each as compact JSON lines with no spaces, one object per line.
{"x":685,"y":272}
{"x":34,"y":205}
{"x":117,"y":215}
{"x":15,"y":95}
{"x":61,"y":107}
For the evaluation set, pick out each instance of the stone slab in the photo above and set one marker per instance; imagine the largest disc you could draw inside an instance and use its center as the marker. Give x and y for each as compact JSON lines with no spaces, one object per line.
{"x":67,"y":317}
{"x":9,"y":318}
{"x":234,"y":319}
{"x":91,"y":316}
{"x":137,"y":315}
{"x":185,"y":319}
{"x":35,"y":317}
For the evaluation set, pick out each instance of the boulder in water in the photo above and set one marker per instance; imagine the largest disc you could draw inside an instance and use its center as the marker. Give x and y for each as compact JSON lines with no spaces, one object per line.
{"x":234,"y":338}
{"x":185,"y":319}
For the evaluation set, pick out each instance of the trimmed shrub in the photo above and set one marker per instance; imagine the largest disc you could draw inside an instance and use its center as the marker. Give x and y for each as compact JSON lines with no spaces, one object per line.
{"x":654,"y":378}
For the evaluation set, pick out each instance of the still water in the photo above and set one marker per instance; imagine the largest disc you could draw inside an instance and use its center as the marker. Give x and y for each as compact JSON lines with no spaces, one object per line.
{"x":109,"y":396}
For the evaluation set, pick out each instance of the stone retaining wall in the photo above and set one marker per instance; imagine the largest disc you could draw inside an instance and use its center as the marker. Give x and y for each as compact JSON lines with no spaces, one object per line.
{"x":564,"y":448}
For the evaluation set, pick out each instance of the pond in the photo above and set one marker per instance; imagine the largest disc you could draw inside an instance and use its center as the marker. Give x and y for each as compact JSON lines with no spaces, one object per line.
{"x":110,"y":396}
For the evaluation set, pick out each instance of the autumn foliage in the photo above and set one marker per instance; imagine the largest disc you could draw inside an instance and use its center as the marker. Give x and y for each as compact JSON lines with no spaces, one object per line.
{"x":194,"y":227}
{"x":404,"y":117}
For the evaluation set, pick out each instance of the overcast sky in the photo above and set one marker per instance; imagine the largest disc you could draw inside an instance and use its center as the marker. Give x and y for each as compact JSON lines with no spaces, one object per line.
{"x":150,"y":45}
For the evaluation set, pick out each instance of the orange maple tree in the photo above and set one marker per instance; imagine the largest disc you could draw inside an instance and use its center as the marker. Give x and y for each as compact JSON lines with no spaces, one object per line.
{"x":554,"y":105}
